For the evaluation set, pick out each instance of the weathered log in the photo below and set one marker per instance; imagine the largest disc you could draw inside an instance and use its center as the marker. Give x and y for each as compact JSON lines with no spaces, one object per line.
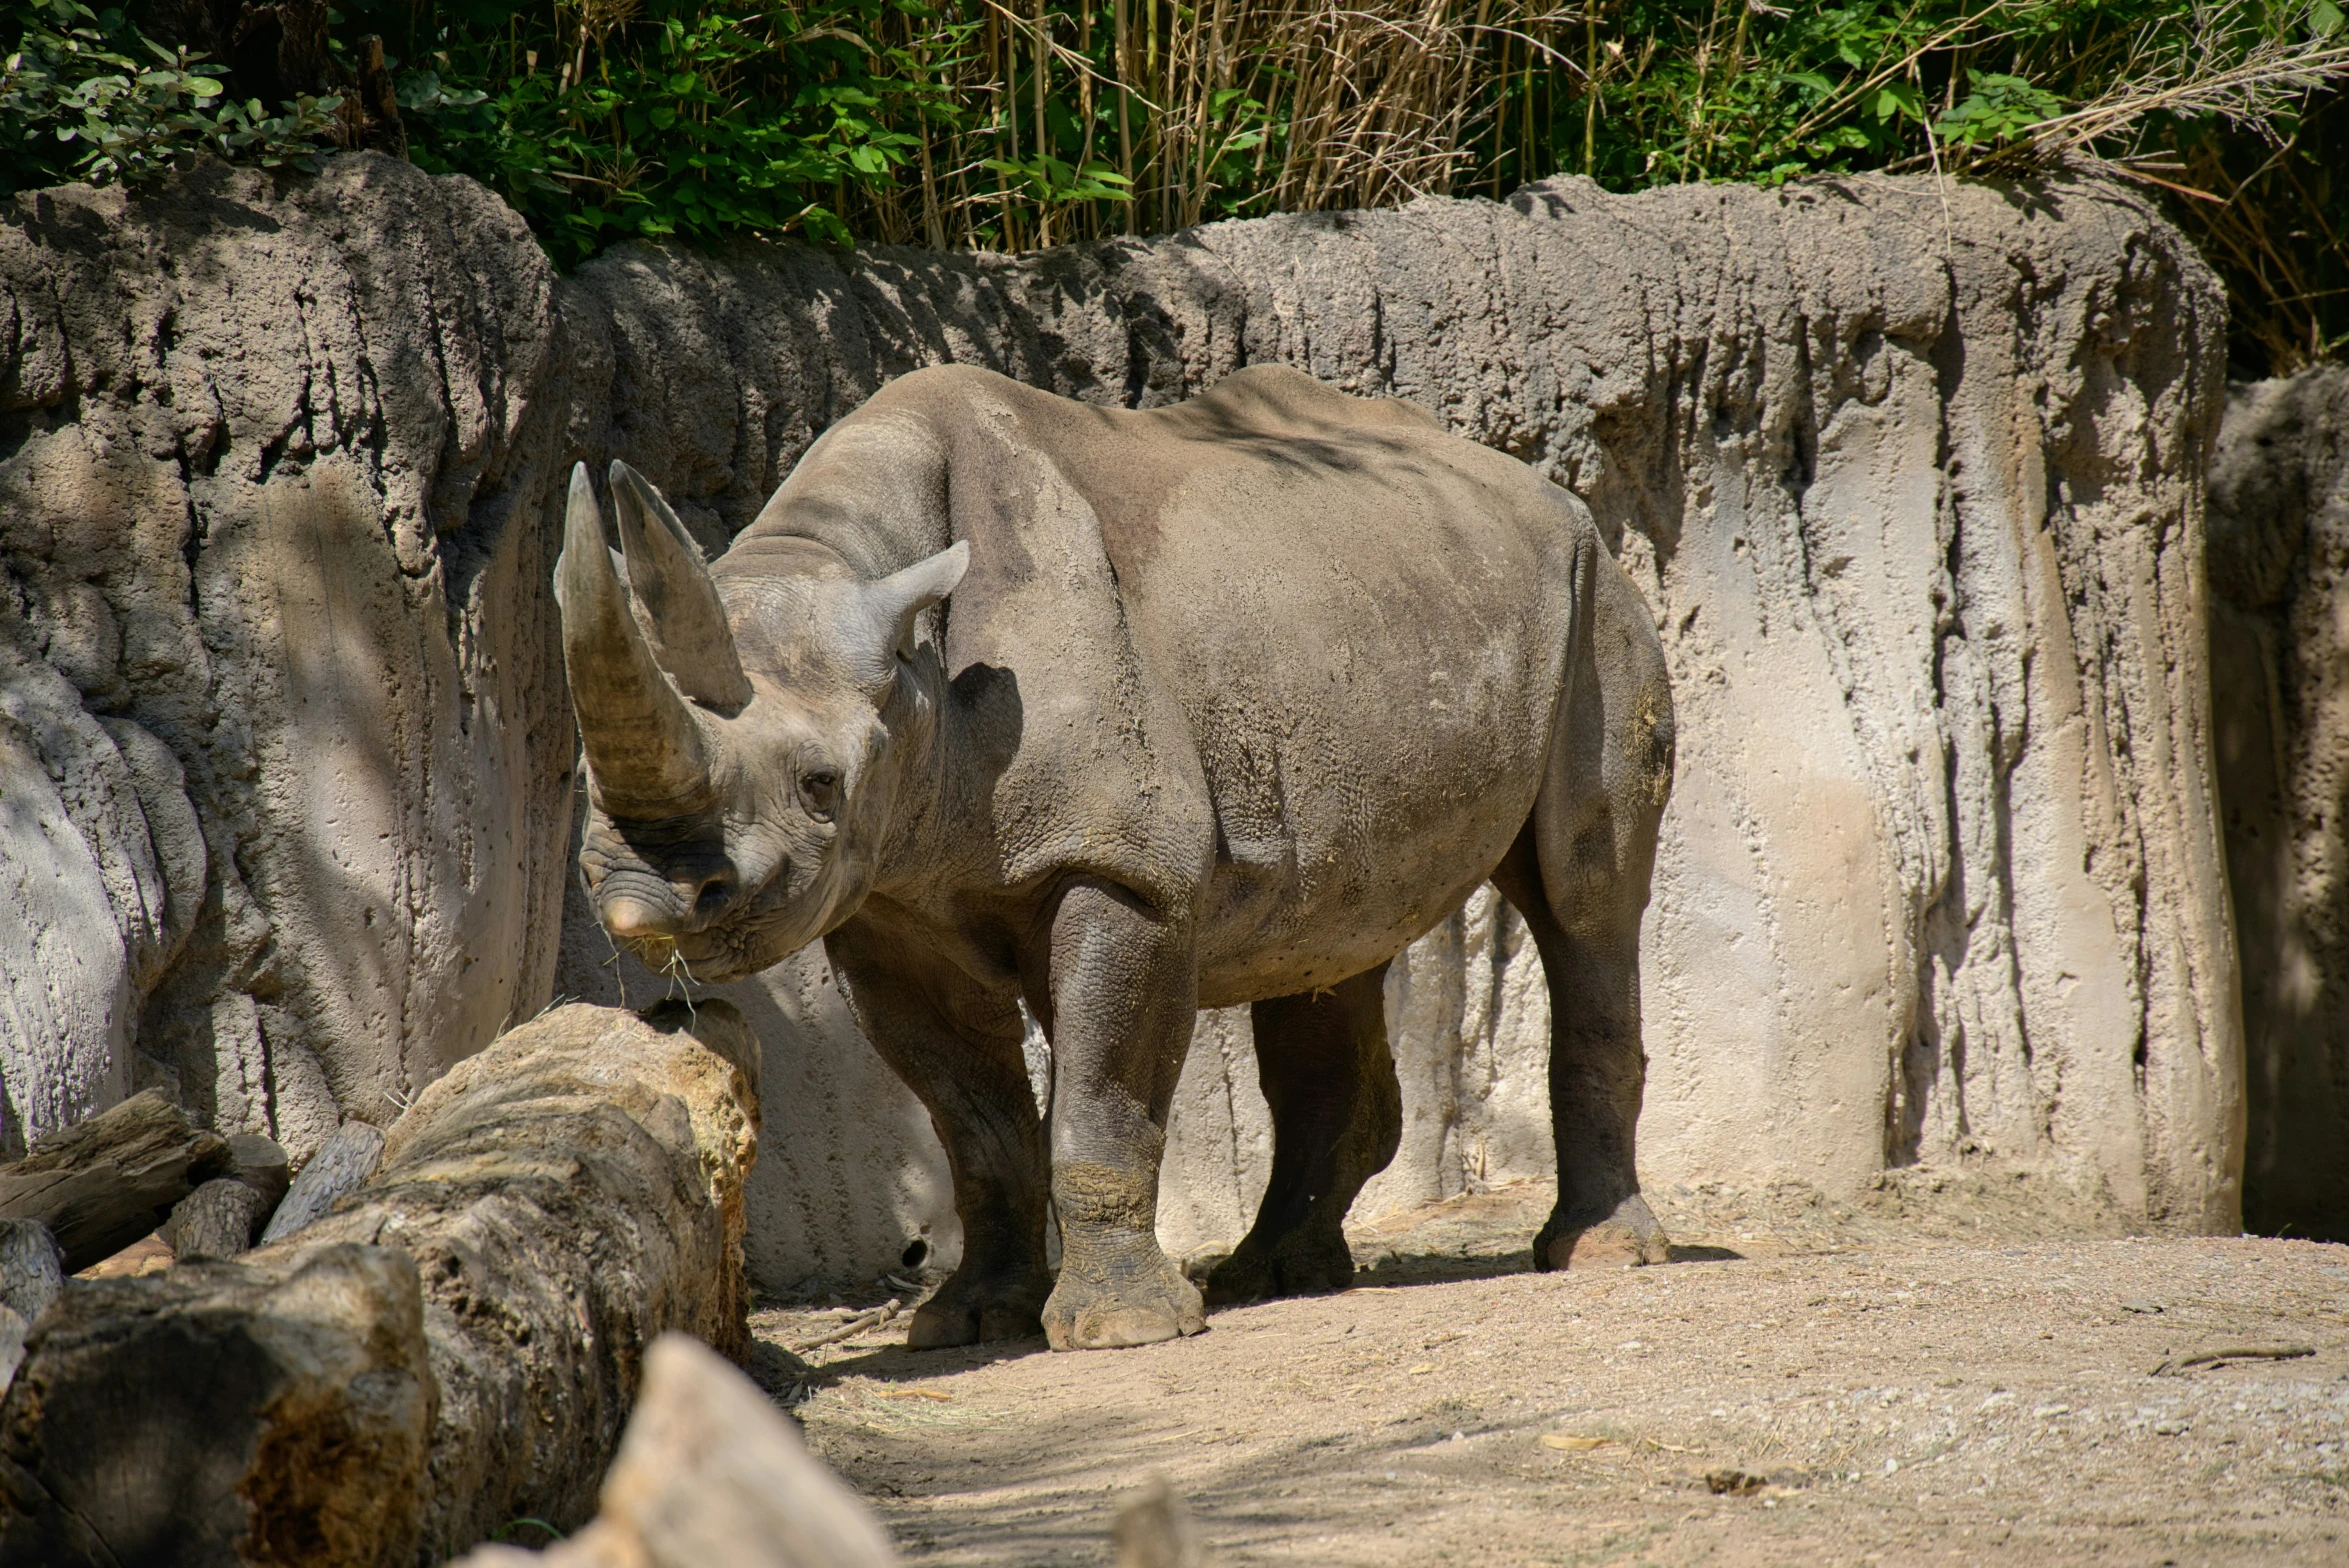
{"x":338,"y":1169}
{"x":32,"y":1267}
{"x":13,"y":1329}
{"x":102,"y":1184}
{"x":223,"y":1413}
{"x":711,"y":1473}
{"x":32,"y":1275}
{"x":541,"y":1213}
{"x":217,"y":1220}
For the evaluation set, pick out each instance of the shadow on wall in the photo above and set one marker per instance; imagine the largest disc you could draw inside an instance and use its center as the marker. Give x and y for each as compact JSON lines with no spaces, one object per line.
{"x":2279,"y":578}
{"x":271,"y":643}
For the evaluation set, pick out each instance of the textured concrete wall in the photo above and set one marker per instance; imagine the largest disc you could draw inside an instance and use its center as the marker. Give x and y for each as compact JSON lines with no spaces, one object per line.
{"x":1912,"y":477}
{"x":1917,"y":494}
{"x":281,"y":723}
{"x":2279,"y":572}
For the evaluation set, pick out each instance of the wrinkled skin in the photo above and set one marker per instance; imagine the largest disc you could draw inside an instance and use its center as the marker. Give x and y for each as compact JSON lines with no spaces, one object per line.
{"x":1221,"y":703}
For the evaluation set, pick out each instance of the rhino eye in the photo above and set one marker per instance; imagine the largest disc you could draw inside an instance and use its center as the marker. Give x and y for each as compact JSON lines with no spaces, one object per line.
{"x":820,"y":789}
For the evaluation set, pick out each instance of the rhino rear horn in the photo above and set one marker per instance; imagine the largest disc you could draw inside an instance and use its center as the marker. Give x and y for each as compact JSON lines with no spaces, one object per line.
{"x":885,"y":612}
{"x":683,"y":622}
{"x":646,"y":754}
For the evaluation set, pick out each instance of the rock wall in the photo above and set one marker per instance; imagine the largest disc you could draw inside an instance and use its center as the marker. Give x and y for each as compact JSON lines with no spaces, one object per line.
{"x":2279,"y":575}
{"x":1914,"y":480}
{"x":282,"y":744}
{"x":1913,"y":477}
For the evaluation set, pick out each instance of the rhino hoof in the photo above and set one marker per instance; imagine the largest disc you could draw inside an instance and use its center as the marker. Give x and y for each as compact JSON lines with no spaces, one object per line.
{"x":954,"y":1317}
{"x":1301,"y":1266}
{"x":1625,"y":1239}
{"x":1162,"y":1308}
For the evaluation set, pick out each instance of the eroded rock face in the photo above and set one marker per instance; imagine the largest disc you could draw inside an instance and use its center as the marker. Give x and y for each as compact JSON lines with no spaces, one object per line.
{"x":1915,"y":488}
{"x":2279,"y":574}
{"x":283,"y":754}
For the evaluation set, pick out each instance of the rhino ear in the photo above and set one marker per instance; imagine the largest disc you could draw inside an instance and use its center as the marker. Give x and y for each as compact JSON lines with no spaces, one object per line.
{"x":883,"y":629}
{"x":683,"y":621}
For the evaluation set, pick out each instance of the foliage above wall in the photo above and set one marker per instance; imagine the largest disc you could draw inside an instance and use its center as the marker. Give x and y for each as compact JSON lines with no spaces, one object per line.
{"x":1004,"y":124}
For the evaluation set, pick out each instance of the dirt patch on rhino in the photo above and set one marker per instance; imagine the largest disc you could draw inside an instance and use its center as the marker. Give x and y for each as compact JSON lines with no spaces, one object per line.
{"x":1932,"y":1373}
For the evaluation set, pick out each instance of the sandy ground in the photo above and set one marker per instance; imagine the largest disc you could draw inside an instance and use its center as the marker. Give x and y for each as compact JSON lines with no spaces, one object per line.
{"x":1929,"y":1376}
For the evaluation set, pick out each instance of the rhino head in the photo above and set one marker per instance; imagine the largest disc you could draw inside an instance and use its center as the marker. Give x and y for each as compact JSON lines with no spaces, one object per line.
{"x":742,"y":730}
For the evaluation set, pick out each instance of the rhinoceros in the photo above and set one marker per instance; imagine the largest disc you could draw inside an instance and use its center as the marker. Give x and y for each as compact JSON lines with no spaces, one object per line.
{"x":1222,"y":702}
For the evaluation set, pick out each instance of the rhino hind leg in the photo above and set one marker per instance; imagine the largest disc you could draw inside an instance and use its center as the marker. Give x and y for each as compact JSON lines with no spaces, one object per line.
{"x":1337,"y":1117}
{"x":959,"y":1051}
{"x":1597,"y":1076}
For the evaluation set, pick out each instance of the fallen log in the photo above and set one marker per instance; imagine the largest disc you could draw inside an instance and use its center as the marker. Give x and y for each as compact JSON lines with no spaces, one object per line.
{"x":553,"y":1203}
{"x":339,"y":1168}
{"x":711,"y":1475}
{"x":220,"y":1219}
{"x":32,"y":1269}
{"x":217,"y":1220}
{"x":223,"y":1413}
{"x":101,"y":1184}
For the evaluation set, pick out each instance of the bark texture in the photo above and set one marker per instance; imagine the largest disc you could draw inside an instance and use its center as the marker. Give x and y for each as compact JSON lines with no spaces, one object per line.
{"x":2279,"y":573}
{"x":302,"y":1441}
{"x":455,"y":1347}
{"x":100,"y":1185}
{"x":1912,"y":476}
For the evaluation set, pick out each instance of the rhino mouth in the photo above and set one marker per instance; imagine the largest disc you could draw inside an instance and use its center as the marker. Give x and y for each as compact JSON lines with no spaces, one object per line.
{"x":709,"y":957}
{"x":752,"y":936}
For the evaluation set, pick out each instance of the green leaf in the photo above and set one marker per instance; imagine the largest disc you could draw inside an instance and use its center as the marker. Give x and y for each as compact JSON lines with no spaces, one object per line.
{"x":1898,"y":98}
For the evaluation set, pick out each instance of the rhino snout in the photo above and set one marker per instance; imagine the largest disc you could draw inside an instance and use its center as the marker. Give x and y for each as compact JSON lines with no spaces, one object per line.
{"x":644,"y":905}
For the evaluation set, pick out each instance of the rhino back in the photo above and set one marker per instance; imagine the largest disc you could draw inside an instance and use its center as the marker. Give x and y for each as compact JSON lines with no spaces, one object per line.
{"x":1285,"y":652}
{"x":1361,"y":622}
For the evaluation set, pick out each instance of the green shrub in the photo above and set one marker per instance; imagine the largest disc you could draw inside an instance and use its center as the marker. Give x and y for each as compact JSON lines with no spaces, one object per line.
{"x":84,"y":96}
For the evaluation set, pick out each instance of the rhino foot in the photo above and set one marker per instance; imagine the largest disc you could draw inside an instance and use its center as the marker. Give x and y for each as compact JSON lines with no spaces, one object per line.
{"x":976,"y":1312}
{"x":1300,"y":1264}
{"x":1114,"y":1305}
{"x":1624,"y":1239}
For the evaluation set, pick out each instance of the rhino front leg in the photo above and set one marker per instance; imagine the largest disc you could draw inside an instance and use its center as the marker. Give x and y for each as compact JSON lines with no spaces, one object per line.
{"x":1123,"y":996}
{"x":958,"y":1048}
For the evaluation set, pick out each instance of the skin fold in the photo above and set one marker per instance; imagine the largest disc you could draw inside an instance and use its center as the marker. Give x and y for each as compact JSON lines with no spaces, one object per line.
{"x":1015,"y":701}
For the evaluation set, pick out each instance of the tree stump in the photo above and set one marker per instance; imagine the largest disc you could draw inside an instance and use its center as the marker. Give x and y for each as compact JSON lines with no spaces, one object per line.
{"x":456,"y":1348}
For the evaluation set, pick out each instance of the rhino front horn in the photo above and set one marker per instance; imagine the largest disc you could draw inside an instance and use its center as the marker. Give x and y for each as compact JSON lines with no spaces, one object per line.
{"x":646,"y":754}
{"x":683,"y":621}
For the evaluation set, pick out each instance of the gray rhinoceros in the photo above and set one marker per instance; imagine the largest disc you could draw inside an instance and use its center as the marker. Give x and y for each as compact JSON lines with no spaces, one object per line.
{"x":1230,"y":702}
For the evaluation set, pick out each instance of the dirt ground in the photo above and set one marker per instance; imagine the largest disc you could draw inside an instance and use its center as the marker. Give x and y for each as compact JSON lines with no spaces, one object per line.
{"x":1933,"y":1375}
